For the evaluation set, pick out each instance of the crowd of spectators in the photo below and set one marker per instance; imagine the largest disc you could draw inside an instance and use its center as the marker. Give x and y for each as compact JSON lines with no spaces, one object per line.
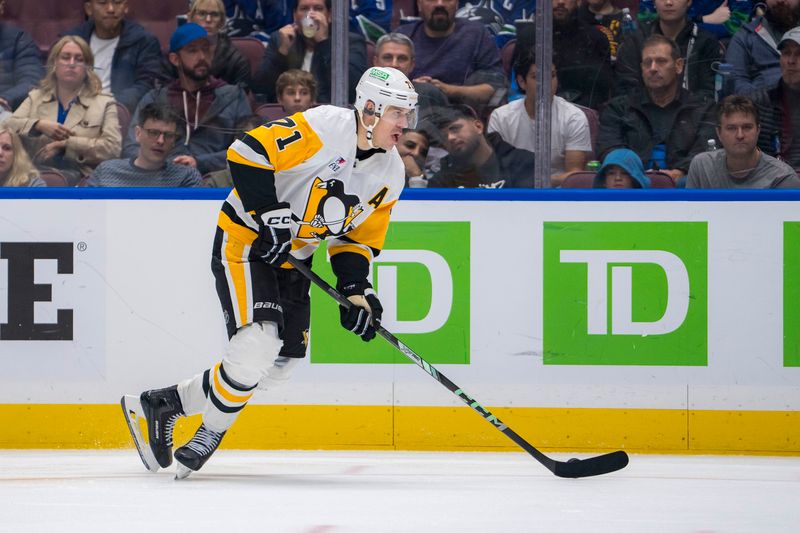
{"x":699,"y":93}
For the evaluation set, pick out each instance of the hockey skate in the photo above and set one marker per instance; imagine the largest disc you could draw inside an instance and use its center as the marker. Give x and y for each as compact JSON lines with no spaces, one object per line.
{"x":194,"y":454}
{"x":161,"y":408}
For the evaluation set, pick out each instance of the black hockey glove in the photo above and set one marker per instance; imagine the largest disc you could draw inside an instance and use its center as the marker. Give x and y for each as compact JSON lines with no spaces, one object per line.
{"x":363,"y":316}
{"x":274,"y":241}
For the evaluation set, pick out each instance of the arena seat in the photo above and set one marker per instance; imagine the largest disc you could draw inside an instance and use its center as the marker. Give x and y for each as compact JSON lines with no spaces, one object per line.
{"x":159,"y":17}
{"x":253,"y":50}
{"x":44,"y":20}
{"x":270,"y":111}
{"x":53,"y":177}
{"x":579,"y":180}
{"x":124,"y":117}
{"x":593,"y":117}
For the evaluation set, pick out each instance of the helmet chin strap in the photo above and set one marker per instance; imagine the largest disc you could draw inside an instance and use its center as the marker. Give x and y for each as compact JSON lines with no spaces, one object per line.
{"x":368,"y":129}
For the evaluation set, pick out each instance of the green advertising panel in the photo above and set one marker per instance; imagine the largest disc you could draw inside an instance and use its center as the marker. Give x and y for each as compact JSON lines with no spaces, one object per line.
{"x":791,"y":293}
{"x":625,"y":293}
{"x":422,"y":277}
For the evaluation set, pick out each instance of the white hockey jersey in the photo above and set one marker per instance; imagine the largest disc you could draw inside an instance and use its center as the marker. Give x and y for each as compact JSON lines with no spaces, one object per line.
{"x":308,"y":160}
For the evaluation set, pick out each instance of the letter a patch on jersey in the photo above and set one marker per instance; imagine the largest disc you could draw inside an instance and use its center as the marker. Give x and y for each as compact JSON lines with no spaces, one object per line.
{"x":329,"y":210}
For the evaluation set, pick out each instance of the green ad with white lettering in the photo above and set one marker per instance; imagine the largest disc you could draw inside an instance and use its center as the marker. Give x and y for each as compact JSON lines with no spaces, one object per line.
{"x":791,"y":294}
{"x":422,"y":278}
{"x":625,"y":293}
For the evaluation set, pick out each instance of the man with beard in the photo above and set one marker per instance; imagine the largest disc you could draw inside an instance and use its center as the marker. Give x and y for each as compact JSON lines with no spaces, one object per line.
{"x":582,"y":57}
{"x":753,"y":51}
{"x":476,"y":160}
{"x":778,"y":105}
{"x":210,"y":110}
{"x":126,"y":56}
{"x":664,"y":124}
{"x":456,"y":56}
{"x":699,"y":48}
{"x":740,"y":164}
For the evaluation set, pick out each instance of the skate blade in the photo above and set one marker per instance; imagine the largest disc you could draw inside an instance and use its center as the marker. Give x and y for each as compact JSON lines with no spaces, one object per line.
{"x":132,"y":409}
{"x":182,"y":471}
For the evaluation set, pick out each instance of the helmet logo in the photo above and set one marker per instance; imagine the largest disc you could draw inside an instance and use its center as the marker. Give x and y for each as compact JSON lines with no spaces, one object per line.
{"x":379,"y":74}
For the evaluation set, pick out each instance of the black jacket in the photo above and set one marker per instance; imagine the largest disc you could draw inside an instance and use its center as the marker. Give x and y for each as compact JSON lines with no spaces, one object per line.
{"x":20,"y":65}
{"x":508,"y":167}
{"x":276,"y":64}
{"x":582,"y":56}
{"x":136,"y":64}
{"x":625,"y":123}
{"x":705,"y":51}
{"x":776,"y":137}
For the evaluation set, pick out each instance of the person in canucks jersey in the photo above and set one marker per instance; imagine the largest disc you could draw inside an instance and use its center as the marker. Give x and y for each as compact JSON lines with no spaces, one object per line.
{"x":326,"y":173}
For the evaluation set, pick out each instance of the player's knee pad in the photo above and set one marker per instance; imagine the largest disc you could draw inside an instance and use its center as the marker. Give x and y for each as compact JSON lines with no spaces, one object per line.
{"x":279,"y":373}
{"x":251,"y":351}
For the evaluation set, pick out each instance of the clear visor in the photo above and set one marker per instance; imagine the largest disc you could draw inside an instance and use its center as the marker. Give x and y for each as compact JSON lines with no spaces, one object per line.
{"x":406,"y":118}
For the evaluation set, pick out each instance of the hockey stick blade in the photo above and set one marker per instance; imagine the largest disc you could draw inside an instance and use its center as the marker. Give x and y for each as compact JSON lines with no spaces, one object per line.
{"x":574,"y":468}
{"x":132,"y":409}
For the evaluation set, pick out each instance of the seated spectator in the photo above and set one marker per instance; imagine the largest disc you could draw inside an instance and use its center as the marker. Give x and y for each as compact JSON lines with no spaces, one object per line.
{"x":664,"y":124}
{"x":753,"y":51}
{"x":622,"y":169}
{"x":156,"y":133}
{"x":20,"y":65}
{"x":228,"y":63}
{"x":607,"y":18}
{"x":739,"y":164}
{"x":582,"y":55}
{"x":476,"y":160}
{"x":570,"y":142}
{"x":721,"y":17}
{"x":309,"y":50}
{"x":396,"y":50}
{"x":209,"y":108}
{"x":16,"y":169}
{"x":699,"y":48}
{"x":127,"y":57}
{"x":68,"y":123}
{"x":413,"y":149}
{"x":778,"y":105}
{"x":222,"y":178}
{"x":456,"y":56}
{"x":297,"y":91}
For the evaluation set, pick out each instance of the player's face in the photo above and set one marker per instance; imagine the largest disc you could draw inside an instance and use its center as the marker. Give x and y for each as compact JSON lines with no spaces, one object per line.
{"x":106,"y":14}
{"x":659,"y":70}
{"x":738,"y":133}
{"x":790,"y":64}
{"x":617,"y":178}
{"x":156,"y":139}
{"x":6,"y":155}
{"x":295,"y":98}
{"x":396,"y":56}
{"x":387,"y":132}
{"x":672,"y":10}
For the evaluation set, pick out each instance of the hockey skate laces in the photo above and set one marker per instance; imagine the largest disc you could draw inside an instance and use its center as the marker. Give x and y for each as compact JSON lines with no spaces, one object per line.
{"x":205,"y":441}
{"x":169,"y":426}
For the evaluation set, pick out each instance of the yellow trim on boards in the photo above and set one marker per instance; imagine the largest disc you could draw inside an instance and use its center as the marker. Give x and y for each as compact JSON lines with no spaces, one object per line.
{"x":327,"y":427}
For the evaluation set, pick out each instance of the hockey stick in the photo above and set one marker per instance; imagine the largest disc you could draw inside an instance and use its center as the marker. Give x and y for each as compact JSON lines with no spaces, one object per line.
{"x":574,"y":468}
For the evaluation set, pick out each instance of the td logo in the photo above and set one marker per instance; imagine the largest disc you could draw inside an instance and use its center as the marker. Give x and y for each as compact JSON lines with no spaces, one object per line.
{"x":422,"y":279}
{"x":625,"y":293}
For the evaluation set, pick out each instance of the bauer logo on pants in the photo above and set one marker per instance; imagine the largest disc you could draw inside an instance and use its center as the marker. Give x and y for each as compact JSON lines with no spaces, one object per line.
{"x":422,"y":279}
{"x":625,"y":293}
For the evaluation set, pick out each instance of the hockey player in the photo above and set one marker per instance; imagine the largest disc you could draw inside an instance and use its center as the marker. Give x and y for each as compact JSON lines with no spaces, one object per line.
{"x":327,"y":173}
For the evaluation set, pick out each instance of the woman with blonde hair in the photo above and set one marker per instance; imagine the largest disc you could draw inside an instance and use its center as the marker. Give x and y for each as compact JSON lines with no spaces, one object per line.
{"x":68,"y":123}
{"x":16,"y":169}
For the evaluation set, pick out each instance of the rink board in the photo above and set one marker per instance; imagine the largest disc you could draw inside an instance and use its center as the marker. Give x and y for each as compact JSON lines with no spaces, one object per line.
{"x":653,"y":322}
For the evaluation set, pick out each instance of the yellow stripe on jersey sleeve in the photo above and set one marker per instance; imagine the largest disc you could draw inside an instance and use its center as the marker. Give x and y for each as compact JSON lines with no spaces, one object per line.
{"x":372,"y":232}
{"x":288,"y":141}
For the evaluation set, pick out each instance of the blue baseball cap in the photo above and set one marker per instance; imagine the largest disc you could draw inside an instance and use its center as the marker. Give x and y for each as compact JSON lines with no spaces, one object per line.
{"x":185,"y":34}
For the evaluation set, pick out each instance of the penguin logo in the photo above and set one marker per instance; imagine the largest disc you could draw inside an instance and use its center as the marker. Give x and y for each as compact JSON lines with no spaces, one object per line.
{"x":329,"y":210}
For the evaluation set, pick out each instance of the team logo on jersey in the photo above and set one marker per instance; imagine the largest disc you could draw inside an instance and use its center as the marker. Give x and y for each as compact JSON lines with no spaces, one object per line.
{"x":329,"y":210}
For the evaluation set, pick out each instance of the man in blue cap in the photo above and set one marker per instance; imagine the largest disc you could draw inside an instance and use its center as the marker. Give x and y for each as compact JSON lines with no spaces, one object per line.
{"x":210,"y":110}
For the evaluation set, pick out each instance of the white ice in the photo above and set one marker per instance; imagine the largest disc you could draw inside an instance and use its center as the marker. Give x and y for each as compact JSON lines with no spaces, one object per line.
{"x":332,"y":492}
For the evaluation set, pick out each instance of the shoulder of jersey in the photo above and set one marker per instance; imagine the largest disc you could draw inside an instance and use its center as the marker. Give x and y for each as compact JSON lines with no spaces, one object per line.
{"x":333,"y":124}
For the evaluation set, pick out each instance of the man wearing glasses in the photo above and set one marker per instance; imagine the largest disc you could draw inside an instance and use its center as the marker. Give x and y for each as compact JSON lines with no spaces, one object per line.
{"x":156,"y":133}
{"x":126,"y":56}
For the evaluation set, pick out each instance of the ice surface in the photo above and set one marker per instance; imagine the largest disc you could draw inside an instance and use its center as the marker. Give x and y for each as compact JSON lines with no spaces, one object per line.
{"x":331,"y":492}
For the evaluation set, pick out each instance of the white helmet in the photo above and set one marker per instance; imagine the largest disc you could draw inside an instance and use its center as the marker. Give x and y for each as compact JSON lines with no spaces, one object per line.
{"x":384,"y":87}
